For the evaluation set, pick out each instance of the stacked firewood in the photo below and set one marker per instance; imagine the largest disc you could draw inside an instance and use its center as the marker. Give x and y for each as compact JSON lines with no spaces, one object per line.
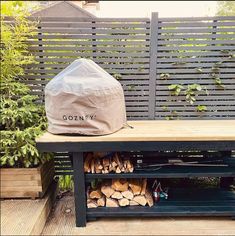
{"x":120,"y":193}
{"x":98,"y":163}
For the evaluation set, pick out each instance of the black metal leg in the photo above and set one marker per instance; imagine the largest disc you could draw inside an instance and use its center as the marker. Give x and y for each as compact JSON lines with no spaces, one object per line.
{"x":225,"y":182}
{"x":79,"y":189}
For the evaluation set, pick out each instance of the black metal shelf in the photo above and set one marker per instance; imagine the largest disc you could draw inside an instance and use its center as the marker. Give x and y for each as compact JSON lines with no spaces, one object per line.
{"x":181,"y":202}
{"x":171,"y":172}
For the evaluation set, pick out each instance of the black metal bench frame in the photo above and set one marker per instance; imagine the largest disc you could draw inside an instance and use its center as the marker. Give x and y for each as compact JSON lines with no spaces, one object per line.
{"x":223,"y":206}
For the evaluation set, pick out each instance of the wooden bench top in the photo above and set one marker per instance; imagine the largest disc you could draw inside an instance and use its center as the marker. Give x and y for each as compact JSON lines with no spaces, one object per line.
{"x":163,"y":130}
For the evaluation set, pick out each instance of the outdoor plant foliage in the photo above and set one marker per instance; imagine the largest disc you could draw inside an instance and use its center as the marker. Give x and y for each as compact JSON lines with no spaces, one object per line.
{"x":21,"y":120}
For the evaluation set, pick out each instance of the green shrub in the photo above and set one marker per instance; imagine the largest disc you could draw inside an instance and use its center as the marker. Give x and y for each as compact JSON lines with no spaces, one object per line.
{"x":21,"y":120}
{"x":66,"y":182}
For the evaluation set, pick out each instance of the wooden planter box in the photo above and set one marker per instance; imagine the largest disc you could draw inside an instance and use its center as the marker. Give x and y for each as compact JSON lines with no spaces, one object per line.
{"x":26,"y":182}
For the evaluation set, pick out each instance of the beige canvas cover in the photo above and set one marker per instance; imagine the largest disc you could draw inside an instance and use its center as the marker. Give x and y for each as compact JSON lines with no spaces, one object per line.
{"x":84,"y":99}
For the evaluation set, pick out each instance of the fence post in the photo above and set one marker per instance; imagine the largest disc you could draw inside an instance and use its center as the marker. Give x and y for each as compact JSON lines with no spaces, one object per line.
{"x":41,"y":50}
{"x":153,"y":65}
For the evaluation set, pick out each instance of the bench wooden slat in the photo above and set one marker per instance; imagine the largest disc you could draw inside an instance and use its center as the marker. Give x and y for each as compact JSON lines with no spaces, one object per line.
{"x":177,"y":130}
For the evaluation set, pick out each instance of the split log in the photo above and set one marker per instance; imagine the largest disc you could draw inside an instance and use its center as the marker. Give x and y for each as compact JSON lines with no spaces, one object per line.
{"x":107,"y":190}
{"x":97,"y":163}
{"x":91,"y":204}
{"x":149,"y":197}
{"x":114,"y":164}
{"x":140,"y":199}
{"x":125,"y":164}
{"x":118,"y":171}
{"x":111,"y":202}
{"x":93,"y":166}
{"x":117,"y":195}
{"x":106,"y":162}
{"x":98,"y":166}
{"x":111,"y":167}
{"x":123,"y":202}
{"x":130,"y":167}
{"x":87,"y":163}
{"x":135,"y":185}
{"x":105,"y":170}
{"x":120,"y":185}
{"x":128,"y":194}
{"x":143,"y":187}
{"x":118,"y":161}
{"x":101,"y":201}
{"x":95,"y":194}
{"x":133,"y":203}
{"x":97,"y":171}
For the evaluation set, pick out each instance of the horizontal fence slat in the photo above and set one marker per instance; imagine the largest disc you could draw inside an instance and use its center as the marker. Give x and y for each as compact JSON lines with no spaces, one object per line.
{"x":51,"y":60}
{"x":182,"y":104}
{"x":115,"y":65}
{"x":208,"y":86}
{"x":196,"y":64}
{"x":93,"y":30}
{"x":195,"y":41}
{"x":191,"y":54}
{"x":110,"y":70}
{"x":45,"y":49}
{"x":196,"y":30}
{"x":81,"y":19}
{"x":48,"y":76}
{"x":211,"y":113}
{"x":216,"y":94}
{"x":86,"y":42}
{"x":197,"y":36}
{"x":93,"y":24}
{"x":93,"y":54}
{"x":95,"y":36}
{"x":194,"y":71}
{"x":181,"y":61}
{"x":193,"y":81}
{"x":216,"y":18}
{"x":196,"y":24}
{"x":196,"y":48}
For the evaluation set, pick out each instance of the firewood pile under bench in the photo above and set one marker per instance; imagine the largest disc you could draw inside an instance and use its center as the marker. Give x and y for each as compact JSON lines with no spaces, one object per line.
{"x":186,"y":135}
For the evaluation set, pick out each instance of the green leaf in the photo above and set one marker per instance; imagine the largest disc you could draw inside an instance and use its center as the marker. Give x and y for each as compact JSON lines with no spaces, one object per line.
{"x":218,"y":63}
{"x":225,"y":51}
{"x":172,"y":86}
{"x":201,"y":108}
{"x":215,"y":69}
{"x":164,"y":76}
{"x":165,"y":108}
{"x":199,"y":69}
{"x":117,"y":76}
{"x":131,"y":87}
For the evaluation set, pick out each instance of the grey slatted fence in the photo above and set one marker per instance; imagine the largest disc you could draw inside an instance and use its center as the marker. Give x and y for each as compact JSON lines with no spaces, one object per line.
{"x":120,"y":46}
{"x":201,"y":51}
{"x":146,"y":56}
